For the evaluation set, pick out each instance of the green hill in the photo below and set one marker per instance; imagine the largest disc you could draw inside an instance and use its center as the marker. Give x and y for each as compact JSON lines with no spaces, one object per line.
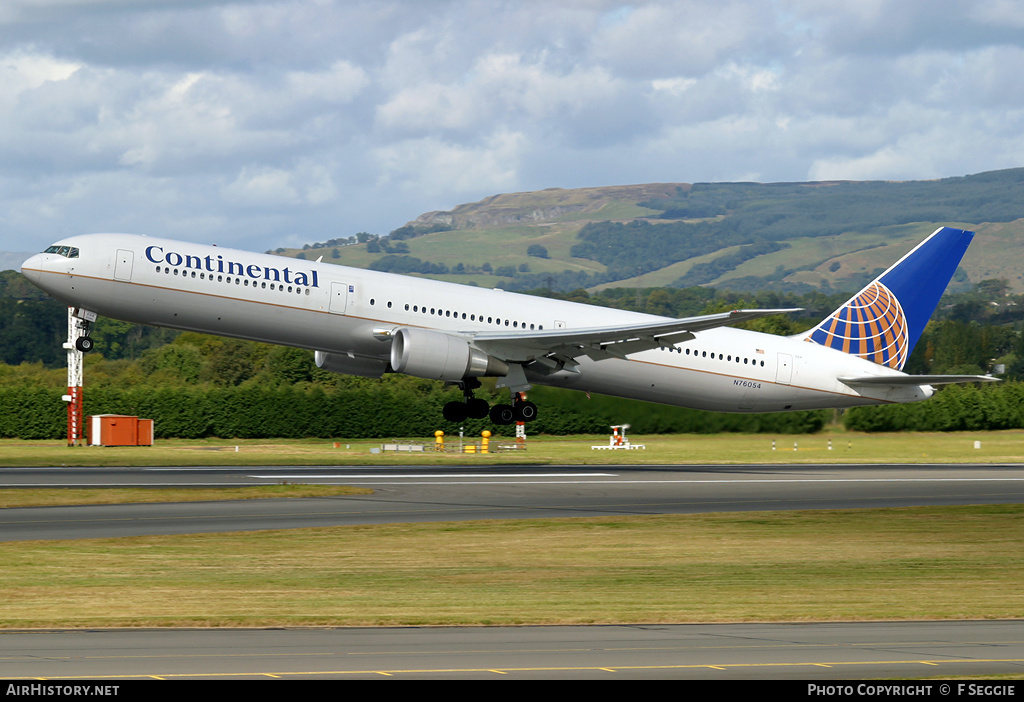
{"x":744,"y":236}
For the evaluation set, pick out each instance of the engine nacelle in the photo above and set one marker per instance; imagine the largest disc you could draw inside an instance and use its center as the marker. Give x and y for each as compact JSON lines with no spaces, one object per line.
{"x":349,"y":365}
{"x":439,"y":356}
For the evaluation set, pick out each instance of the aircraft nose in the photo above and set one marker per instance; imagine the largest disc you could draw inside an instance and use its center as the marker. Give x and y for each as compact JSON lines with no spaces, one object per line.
{"x":33,"y":267}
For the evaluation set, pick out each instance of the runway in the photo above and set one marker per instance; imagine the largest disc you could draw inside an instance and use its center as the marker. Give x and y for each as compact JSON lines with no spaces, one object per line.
{"x":832,"y":651}
{"x":430,"y":493}
{"x":719,"y":652}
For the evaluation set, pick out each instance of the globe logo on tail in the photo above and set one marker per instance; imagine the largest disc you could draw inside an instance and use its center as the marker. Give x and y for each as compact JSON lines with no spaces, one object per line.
{"x":872,"y":325}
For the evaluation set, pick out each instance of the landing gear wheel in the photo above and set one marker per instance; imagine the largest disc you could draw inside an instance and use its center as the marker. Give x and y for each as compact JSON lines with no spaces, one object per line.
{"x":477,"y":408}
{"x":503,"y":414}
{"x":84,"y":344}
{"x":454,"y":411}
{"x":525,"y":411}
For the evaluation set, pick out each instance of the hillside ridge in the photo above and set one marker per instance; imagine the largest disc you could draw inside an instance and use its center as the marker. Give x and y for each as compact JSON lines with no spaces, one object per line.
{"x":788,"y":236}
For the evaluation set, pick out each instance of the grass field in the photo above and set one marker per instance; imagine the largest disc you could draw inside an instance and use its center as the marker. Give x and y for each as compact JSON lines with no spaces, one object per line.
{"x":885,"y":564}
{"x":879,"y":564}
{"x":677,"y":449}
{"x":48,"y":497}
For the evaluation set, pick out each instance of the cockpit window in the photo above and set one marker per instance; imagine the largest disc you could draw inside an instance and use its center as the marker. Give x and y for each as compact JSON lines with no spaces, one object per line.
{"x":65,"y":251}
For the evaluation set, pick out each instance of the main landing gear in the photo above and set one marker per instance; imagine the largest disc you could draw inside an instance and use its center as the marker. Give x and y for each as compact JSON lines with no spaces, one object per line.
{"x":520,"y":410}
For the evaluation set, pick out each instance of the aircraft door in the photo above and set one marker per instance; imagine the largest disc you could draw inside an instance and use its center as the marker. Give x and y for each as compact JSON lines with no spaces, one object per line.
{"x":123,"y":264}
{"x":784,"y":372}
{"x":339,"y":297}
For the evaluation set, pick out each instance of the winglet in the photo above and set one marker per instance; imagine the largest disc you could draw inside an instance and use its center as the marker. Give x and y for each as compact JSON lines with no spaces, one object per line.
{"x":883,"y":322}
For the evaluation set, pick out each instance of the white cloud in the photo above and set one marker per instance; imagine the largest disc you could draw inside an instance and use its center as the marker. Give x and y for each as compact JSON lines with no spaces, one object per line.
{"x":21,"y":70}
{"x":674,"y":86}
{"x":306,"y":184}
{"x":434,"y":167}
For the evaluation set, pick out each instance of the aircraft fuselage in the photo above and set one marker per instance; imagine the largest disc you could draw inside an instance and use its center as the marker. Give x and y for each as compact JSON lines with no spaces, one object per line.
{"x":351,"y":313}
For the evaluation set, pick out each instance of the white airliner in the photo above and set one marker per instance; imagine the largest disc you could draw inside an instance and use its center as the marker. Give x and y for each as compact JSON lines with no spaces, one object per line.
{"x":368,"y":323}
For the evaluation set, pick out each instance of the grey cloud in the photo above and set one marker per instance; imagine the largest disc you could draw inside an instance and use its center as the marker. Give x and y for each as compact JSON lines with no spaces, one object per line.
{"x":262,"y":123}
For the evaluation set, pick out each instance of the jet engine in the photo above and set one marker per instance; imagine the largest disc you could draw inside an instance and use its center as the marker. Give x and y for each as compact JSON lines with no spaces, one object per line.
{"x":351,"y":365}
{"x":439,"y":356}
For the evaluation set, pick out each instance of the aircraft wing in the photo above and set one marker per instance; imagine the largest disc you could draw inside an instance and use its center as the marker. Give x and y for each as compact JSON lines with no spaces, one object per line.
{"x":557,"y":348}
{"x":915,"y":379}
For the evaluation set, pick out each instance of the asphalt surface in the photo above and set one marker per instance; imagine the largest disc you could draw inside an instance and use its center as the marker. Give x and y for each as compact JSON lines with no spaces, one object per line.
{"x":432,"y":493}
{"x":843,"y":651}
{"x":833,"y":651}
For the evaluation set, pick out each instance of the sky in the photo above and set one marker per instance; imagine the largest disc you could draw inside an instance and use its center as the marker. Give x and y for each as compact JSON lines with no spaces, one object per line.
{"x":264,"y":124}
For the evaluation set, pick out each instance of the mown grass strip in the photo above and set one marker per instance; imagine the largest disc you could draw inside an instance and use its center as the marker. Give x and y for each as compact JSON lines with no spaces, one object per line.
{"x":48,"y":497}
{"x":911,"y":563}
{"x":681,"y":449}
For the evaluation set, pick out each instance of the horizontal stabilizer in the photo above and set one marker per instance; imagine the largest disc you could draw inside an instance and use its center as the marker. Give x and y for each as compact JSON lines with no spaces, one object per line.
{"x":916,"y":379}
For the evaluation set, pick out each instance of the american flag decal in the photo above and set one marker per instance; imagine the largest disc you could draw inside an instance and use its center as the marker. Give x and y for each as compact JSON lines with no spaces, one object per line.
{"x":871,"y":325}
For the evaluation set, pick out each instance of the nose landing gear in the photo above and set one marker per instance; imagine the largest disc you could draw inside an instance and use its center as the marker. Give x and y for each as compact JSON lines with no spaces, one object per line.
{"x":80,"y":323}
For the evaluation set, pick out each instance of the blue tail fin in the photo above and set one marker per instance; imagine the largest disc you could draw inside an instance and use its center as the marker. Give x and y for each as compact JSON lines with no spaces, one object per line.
{"x":883,"y":322}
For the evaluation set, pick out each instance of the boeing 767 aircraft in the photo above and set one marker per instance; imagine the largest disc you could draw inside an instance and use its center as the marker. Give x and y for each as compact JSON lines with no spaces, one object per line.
{"x":369,"y":323}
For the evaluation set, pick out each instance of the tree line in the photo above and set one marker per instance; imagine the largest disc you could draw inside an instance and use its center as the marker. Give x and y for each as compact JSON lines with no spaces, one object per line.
{"x":198,"y":385}
{"x":400,"y":406}
{"x":359,"y":408}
